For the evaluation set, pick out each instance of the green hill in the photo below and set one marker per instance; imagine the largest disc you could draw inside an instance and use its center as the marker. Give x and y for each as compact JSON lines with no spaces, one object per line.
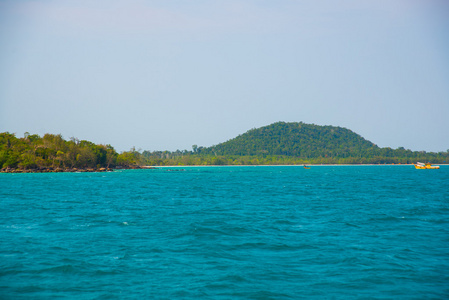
{"x":297,"y":139}
{"x":276,"y":144}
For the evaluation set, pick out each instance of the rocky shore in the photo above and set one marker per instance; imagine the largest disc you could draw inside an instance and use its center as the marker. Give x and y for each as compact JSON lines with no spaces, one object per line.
{"x":53,"y":170}
{"x":61,"y":170}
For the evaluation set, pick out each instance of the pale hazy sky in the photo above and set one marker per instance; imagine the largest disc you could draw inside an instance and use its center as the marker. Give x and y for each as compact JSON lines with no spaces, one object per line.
{"x":164,"y":75}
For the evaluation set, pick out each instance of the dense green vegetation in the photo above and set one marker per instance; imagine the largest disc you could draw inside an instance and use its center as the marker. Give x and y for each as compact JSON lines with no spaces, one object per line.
{"x":276,"y":144}
{"x":52,"y":152}
{"x":293,"y":143}
{"x":298,"y":140}
{"x":188,"y":158}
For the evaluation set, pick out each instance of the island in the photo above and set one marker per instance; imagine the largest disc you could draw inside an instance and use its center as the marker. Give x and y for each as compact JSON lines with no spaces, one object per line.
{"x":281,"y":143}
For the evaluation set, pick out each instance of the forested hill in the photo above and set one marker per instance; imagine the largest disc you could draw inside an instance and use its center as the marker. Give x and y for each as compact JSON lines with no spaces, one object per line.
{"x":297,"y":139}
{"x":276,"y":144}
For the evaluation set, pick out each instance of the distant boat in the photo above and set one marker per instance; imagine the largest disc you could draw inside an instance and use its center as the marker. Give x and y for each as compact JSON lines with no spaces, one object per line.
{"x":306,"y":167}
{"x":422,"y":166}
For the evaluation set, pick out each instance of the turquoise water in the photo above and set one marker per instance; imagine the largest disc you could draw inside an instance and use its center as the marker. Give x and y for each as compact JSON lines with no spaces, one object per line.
{"x":339,"y":232}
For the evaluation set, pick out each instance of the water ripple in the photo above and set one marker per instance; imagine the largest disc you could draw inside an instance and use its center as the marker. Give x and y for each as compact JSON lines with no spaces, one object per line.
{"x":226,"y":233}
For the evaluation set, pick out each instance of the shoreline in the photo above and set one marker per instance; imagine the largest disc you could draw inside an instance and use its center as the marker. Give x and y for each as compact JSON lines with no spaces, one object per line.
{"x":98,"y":170}
{"x":57,"y":170}
{"x":309,"y":165}
{"x":68,"y":170}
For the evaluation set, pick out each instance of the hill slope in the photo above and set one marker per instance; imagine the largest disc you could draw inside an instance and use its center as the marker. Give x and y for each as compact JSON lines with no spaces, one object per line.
{"x":296,"y":139}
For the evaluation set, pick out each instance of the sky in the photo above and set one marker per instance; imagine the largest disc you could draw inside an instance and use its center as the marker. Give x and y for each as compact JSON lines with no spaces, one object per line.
{"x":165,"y":75}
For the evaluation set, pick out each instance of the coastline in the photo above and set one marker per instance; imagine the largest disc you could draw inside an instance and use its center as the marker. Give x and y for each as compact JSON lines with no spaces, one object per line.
{"x":56,"y":170}
{"x":96,"y":170}
{"x":309,"y":165}
{"x":67,"y":170}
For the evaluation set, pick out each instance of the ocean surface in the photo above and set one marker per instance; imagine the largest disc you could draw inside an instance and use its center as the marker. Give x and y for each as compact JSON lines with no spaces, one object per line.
{"x":330,"y":232}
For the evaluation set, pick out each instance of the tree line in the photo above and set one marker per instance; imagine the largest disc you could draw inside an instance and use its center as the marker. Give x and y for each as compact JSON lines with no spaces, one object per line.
{"x":190,"y":158}
{"x":276,"y":144}
{"x":292,"y":143}
{"x":52,"y":152}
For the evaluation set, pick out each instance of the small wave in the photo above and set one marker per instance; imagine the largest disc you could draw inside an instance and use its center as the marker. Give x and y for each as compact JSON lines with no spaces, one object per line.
{"x":234,"y":278}
{"x":352,"y":225}
{"x":386,"y":219}
{"x":65,"y":269}
{"x":32,"y":289}
{"x":213,"y":230}
{"x":284,"y":222}
{"x":106,"y":272}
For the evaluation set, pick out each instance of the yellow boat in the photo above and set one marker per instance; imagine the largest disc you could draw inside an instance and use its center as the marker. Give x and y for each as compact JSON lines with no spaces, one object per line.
{"x":422,"y":166}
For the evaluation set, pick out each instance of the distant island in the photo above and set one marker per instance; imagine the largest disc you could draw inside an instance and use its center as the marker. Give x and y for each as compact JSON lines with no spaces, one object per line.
{"x":293,"y":143}
{"x":51,"y":153}
{"x":281,"y":143}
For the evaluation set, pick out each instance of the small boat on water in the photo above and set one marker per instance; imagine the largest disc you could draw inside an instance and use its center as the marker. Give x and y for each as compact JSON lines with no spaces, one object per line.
{"x":422,"y":166}
{"x":306,"y":167}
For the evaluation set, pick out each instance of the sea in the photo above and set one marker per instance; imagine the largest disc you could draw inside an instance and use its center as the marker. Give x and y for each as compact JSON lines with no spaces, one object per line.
{"x":250,"y":232}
